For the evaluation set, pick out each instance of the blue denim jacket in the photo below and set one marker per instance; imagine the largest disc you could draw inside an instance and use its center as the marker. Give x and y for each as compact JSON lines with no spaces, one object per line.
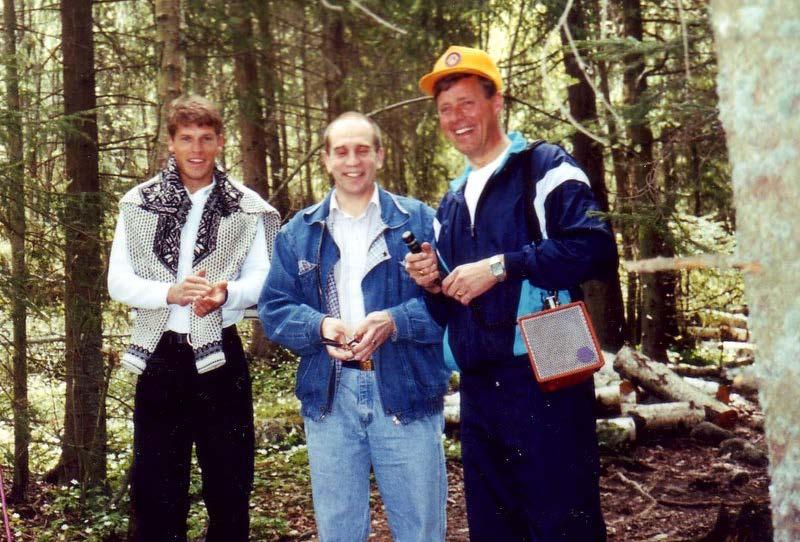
{"x":409,"y":367}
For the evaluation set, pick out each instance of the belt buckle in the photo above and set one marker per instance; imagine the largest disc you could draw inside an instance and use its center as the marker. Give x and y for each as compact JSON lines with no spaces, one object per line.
{"x":365,"y":365}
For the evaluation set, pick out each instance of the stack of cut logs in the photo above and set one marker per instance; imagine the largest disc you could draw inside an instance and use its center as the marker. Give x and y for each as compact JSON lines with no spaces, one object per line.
{"x":637,"y":396}
{"x":644,"y":396}
{"x":723,"y":331}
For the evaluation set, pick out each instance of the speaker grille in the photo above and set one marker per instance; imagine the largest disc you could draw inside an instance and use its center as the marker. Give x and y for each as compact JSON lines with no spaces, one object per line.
{"x":560,"y":342}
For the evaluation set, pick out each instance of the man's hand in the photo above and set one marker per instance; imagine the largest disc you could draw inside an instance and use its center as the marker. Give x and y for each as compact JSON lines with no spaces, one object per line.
{"x":371,"y":333}
{"x":336,"y":330}
{"x":423,"y":268}
{"x":213,"y":300}
{"x":468,"y":281}
{"x":190,"y":290}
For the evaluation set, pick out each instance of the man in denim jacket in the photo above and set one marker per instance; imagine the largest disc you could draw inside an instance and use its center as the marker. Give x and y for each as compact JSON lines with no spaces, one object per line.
{"x":371,"y":378}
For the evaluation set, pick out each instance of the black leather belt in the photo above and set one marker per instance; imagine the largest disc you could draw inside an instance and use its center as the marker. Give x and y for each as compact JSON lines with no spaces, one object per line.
{"x":173,"y":338}
{"x":365,"y":365}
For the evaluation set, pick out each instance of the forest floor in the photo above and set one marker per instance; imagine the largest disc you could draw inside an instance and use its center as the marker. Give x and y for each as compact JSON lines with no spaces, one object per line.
{"x":664,"y":488}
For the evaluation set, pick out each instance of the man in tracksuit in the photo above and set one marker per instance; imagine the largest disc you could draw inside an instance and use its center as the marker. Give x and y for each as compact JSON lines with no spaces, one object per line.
{"x":517,"y":224}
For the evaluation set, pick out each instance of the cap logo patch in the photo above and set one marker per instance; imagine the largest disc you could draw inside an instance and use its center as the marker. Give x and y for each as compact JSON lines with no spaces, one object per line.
{"x":452,"y":59}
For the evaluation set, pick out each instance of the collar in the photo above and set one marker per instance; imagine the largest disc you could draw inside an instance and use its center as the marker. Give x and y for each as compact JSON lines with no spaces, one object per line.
{"x":393,"y":214}
{"x":374,"y":202}
{"x":518,"y":144}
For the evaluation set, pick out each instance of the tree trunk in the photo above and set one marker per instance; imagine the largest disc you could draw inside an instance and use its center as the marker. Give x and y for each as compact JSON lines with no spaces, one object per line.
{"x":335,"y":65}
{"x":652,"y":240}
{"x":623,"y":207}
{"x":308,"y":196}
{"x":603,"y":297}
{"x":252,"y":140}
{"x":84,"y":442}
{"x":252,"y":137}
{"x":13,"y":195}
{"x":759,"y":106}
{"x":170,"y":74}
{"x":271,"y":83}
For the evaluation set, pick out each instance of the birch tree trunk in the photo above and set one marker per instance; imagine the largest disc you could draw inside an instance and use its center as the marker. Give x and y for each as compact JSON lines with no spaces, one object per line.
{"x":13,"y":196}
{"x":757,"y":43}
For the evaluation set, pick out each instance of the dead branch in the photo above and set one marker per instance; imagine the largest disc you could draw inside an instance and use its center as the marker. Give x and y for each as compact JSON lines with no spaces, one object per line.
{"x":702,"y":261}
{"x":367,"y":12}
{"x":636,"y":486}
{"x":378,"y":19}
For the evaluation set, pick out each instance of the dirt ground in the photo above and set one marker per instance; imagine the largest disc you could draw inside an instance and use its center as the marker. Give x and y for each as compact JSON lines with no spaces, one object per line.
{"x":669,"y":488}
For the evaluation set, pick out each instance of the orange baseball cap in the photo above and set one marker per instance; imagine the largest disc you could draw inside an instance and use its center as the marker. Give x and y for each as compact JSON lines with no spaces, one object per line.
{"x":459,"y":59}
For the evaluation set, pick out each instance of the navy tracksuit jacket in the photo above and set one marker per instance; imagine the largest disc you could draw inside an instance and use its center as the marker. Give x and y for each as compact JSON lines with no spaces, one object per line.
{"x":530,"y":457}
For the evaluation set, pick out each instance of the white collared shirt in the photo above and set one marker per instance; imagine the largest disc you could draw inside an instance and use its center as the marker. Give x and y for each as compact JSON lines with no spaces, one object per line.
{"x":476,"y":182}
{"x":125,"y":286}
{"x":351,"y":236}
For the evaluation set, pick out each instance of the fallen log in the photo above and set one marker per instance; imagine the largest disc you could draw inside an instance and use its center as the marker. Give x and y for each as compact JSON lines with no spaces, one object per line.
{"x":606,"y":376}
{"x":729,"y":333}
{"x":661,"y":381}
{"x":616,"y":432}
{"x":685,"y":369}
{"x":710,"y":433}
{"x":743,"y":380}
{"x":721,"y":392}
{"x":740,"y":351}
{"x":607,"y":398}
{"x":699,"y":332}
{"x":452,"y":408}
{"x":715,"y":317}
{"x":660,"y":417}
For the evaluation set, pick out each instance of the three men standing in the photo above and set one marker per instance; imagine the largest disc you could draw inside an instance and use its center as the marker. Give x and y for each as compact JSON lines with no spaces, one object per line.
{"x":371,"y":378}
{"x":191,"y":250}
{"x":190,"y":253}
{"x":514,"y":226}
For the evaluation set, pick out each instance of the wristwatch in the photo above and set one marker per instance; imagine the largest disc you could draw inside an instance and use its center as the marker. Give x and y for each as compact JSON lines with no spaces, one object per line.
{"x":497,"y":268}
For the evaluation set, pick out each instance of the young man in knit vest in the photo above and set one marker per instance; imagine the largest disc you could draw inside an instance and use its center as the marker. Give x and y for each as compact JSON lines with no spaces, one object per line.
{"x":190,"y":253}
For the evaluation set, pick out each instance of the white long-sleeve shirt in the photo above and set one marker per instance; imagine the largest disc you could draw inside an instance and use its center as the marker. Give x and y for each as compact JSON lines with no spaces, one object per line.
{"x":351,"y":236}
{"x":125,"y":286}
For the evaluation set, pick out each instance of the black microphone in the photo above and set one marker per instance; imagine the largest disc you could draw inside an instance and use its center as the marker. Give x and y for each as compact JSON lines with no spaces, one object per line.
{"x":415,"y":248}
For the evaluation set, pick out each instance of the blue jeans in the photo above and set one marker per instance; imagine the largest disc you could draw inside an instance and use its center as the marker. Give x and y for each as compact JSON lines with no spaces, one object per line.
{"x":408,"y":461}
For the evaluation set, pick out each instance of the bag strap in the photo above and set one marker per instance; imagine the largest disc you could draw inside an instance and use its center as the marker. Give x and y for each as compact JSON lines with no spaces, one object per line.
{"x":531,"y":223}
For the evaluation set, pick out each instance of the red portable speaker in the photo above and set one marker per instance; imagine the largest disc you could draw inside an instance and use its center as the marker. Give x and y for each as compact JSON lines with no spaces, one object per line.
{"x":562,"y":346}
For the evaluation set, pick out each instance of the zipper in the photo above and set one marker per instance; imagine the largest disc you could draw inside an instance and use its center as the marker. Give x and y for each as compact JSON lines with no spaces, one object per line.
{"x":323,"y":307}
{"x":319,"y":267}
{"x":482,"y":197}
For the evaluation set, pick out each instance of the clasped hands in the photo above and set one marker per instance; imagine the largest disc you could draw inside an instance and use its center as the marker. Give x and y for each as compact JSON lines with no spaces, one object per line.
{"x":359,"y":343}
{"x":464,"y":283}
{"x":196,"y":289}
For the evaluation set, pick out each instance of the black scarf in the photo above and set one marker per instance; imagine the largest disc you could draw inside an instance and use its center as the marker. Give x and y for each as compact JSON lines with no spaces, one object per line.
{"x":170,"y":201}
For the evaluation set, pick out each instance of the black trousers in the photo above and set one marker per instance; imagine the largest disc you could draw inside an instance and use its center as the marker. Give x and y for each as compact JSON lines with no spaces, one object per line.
{"x":174,"y":408}
{"x":531,"y":464}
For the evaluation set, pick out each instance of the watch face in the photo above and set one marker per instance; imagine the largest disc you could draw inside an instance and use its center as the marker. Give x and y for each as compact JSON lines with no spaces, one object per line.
{"x":497,"y":269}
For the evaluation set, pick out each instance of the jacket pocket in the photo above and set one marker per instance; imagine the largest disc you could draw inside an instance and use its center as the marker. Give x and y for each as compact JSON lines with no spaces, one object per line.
{"x":309,"y":285}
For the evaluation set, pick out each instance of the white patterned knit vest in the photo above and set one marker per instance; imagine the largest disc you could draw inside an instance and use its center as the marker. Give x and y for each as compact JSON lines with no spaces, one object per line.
{"x":154,"y":213}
